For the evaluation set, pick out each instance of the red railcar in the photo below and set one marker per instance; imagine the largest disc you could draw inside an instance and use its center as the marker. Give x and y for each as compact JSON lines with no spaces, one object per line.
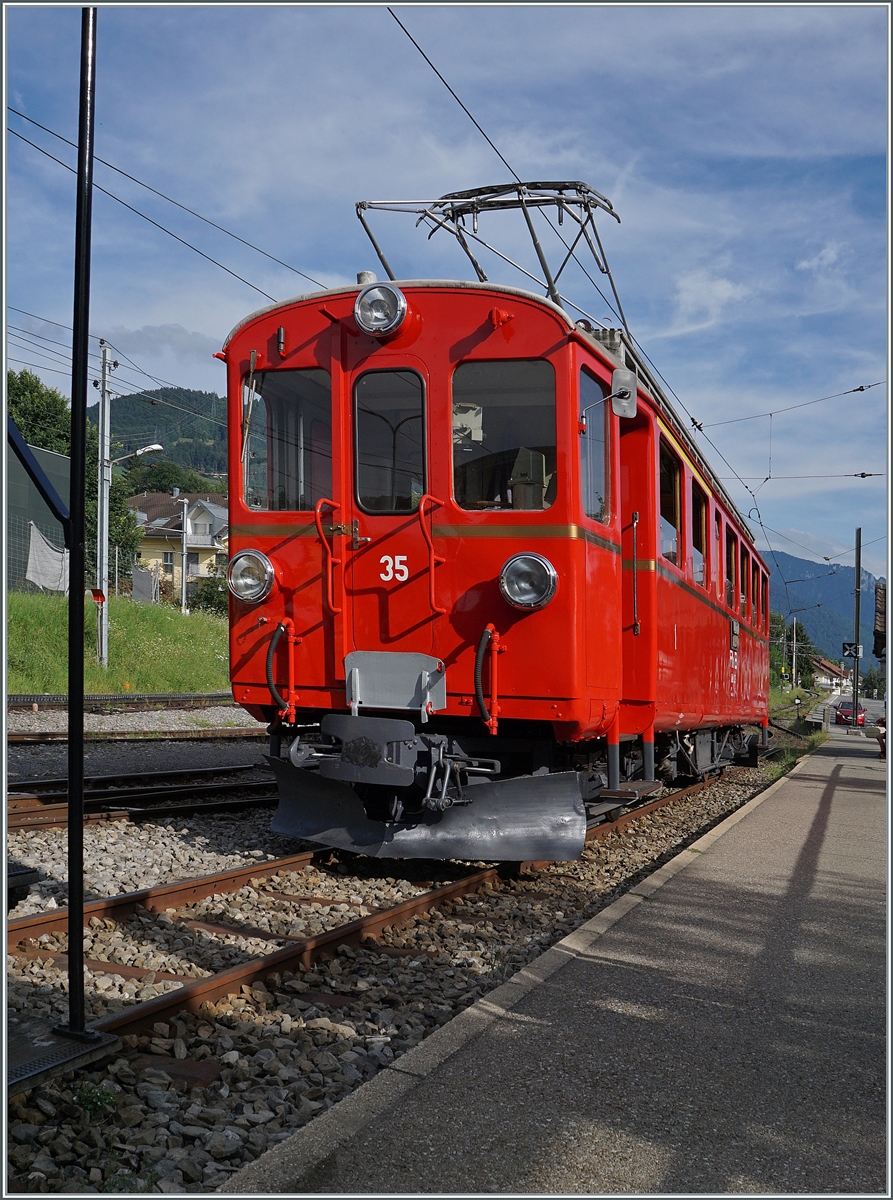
{"x":471,"y":599}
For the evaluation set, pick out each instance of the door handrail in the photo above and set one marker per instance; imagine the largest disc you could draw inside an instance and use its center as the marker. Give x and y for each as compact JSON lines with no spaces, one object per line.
{"x":330,"y":560}
{"x":433,"y":559}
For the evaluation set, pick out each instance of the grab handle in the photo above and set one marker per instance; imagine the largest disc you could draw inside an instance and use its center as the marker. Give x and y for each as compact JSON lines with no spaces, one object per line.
{"x":433,"y":559}
{"x":330,"y":560}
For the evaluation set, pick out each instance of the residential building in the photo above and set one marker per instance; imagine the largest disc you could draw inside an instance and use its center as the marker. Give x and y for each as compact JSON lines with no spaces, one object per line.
{"x":828,"y":674}
{"x":160,"y":518}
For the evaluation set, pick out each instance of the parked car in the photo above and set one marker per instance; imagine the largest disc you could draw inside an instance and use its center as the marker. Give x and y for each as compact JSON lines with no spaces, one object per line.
{"x":844,"y":713}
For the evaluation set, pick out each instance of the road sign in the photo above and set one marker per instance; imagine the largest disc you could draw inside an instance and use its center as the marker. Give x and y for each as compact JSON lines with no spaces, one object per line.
{"x":852,"y":650}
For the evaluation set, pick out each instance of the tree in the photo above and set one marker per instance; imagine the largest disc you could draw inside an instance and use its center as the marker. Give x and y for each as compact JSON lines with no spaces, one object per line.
{"x":43,"y":417}
{"x":164,"y":477}
{"x":211,"y":594}
{"x":781,"y":652}
{"x":42,"y":414}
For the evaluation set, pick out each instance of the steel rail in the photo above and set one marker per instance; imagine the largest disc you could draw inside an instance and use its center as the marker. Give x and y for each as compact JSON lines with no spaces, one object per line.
{"x":300,"y":952}
{"x":128,"y":700}
{"x":157,"y":899}
{"x":163,"y":735}
{"x":55,"y":816}
{"x":164,"y":792}
{"x":48,"y":784}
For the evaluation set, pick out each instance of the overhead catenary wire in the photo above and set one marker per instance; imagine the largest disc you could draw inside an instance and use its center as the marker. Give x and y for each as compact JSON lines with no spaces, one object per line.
{"x":157,"y":224}
{"x":171,"y":200}
{"x":864,"y":387}
{"x":514,"y":175}
{"x":845,"y":475}
{"x":697,"y":425}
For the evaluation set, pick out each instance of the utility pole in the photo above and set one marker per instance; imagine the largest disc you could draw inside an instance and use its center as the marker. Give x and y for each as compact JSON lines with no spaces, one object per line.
{"x":76,"y":1026}
{"x":184,"y":556}
{"x":102,"y":521}
{"x":794,"y":667}
{"x":857,"y":616}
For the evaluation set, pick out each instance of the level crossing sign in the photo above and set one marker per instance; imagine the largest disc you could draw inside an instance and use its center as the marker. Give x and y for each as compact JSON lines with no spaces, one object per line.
{"x":852,"y":650}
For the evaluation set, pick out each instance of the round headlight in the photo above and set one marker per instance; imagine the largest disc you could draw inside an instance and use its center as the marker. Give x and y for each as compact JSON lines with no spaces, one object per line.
{"x":528,"y":581}
{"x":250,"y":576}
{"x":380,"y":308}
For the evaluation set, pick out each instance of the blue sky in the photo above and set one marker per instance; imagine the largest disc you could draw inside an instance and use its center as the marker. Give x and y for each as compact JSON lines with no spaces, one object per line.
{"x":744,"y":147}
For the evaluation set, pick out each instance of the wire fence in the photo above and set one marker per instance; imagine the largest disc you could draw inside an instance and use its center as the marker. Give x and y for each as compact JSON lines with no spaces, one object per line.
{"x":18,"y":544}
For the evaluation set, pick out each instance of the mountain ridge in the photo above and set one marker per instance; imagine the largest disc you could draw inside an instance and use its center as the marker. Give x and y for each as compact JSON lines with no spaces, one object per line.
{"x":821,"y":596}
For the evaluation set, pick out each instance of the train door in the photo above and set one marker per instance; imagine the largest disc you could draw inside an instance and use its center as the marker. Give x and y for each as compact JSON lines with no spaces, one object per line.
{"x":388,"y":564}
{"x":638,"y":501}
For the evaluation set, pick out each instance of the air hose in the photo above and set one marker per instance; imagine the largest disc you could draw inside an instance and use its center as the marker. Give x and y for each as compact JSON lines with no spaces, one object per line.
{"x":274,"y":642}
{"x":486,"y":638}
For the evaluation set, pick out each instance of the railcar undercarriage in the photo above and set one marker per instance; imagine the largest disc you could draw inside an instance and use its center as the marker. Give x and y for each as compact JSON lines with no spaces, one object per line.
{"x":386,"y":788}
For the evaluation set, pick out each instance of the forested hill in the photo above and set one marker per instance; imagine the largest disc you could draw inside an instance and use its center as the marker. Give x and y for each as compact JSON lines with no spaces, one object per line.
{"x":166,"y":415}
{"x":830,"y":585}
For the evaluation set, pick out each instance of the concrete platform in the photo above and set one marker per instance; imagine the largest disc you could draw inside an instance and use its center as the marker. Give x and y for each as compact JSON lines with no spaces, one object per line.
{"x":721,"y":1029}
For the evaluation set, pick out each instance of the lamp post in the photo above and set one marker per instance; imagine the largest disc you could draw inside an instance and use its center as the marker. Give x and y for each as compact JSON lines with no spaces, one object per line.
{"x":102,"y":521}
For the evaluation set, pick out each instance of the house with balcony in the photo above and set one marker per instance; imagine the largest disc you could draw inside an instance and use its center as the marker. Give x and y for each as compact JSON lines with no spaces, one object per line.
{"x":160,"y":517}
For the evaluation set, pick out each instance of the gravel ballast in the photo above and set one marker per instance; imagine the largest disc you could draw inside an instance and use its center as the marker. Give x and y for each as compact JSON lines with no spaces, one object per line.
{"x":289,"y":1048}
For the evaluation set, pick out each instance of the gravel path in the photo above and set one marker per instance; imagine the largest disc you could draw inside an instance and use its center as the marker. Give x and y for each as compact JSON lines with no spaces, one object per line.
{"x":55,"y":720}
{"x":289,"y":1048}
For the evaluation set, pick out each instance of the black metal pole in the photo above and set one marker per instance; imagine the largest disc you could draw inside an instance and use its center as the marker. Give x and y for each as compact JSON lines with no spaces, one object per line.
{"x":77,"y":562}
{"x":857,"y":616}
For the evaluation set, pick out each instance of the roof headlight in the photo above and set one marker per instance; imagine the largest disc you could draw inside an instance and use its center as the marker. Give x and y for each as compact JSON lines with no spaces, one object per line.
{"x":380,"y":309}
{"x":528,"y":581}
{"x":250,"y":576}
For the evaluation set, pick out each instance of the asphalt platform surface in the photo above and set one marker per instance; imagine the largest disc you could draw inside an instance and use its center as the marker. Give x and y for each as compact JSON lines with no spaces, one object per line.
{"x":721,"y":1029}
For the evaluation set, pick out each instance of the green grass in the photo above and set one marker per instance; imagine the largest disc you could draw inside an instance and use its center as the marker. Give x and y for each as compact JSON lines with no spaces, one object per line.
{"x":780,"y":701}
{"x":152,"y":648}
{"x":791,"y":755}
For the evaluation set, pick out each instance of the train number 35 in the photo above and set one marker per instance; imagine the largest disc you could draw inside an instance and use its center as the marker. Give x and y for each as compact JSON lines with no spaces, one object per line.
{"x":394,"y":568}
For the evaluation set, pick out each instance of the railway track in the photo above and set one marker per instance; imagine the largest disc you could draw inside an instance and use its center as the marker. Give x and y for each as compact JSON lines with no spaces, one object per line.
{"x":43,"y":803}
{"x":142,"y":735}
{"x":27,"y":937}
{"x":243,"y":1033}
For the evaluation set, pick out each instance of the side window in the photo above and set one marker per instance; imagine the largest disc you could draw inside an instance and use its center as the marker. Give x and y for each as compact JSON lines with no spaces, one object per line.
{"x":699,"y":534}
{"x":669,"y":503}
{"x":731,"y":567}
{"x":594,"y":448}
{"x":287,"y":439}
{"x":717,"y":552}
{"x":765,"y":594}
{"x":504,"y":434}
{"x":389,"y":432}
{"x":754,"y":595}
{"x":745,"y":581}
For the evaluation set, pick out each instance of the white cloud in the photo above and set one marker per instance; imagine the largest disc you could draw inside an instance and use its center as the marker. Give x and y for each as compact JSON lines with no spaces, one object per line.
{"x":826,"y":257}
{"x":728,"y":136}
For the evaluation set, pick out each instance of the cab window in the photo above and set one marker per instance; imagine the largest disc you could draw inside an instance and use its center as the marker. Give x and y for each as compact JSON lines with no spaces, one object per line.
{"x":503,"y":417}
{"x":287,"y":439}
{"x":389,"y":433}
{"x":594,"y":448}
{"x":669,"y":503}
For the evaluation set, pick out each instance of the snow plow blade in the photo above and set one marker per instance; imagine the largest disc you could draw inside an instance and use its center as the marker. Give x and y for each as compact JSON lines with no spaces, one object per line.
{"x":539,"y":817}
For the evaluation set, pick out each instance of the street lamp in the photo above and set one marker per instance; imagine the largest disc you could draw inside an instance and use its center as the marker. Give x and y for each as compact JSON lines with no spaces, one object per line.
{"x":134,"y":454}
{"x":102,"y":534}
